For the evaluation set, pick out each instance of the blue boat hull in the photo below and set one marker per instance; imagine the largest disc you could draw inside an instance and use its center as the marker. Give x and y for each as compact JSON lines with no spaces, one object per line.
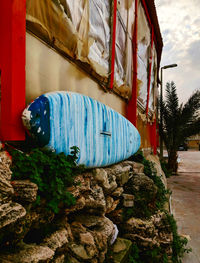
{"x":103,"y":136}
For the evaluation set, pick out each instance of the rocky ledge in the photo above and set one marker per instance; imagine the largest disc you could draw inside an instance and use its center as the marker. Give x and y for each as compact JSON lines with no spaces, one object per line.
{"x":86,"y":231}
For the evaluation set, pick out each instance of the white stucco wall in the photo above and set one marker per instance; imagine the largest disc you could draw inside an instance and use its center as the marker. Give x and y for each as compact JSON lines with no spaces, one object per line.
{"x":47,"y":70}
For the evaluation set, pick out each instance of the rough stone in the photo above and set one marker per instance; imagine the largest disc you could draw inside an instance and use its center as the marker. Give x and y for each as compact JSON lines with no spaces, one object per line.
{"x":98,"y":224}
{"x":121,"y":250}
{"x":81,"y":252}
{"x":5,"y":162}
{"x":106,"y":227}
{"x":111,"y":204}
{"x":149,"y":233}
{"x":30,"y":253}
{"x":155,"y":160}
{"x":72,"y":259}
{"x":81,"y":185}
{"x":25,"y":190}
{"x":128,"y":200}
{"x":142,"y":184}
{"x":95,"y":201}
{"x":85,"y":232}
{"x":80,"y":204}
{"x":59,"y":259}
{"x":10,"y":212}
{"x":105,"y":179}
{"x":118,"y":192}
{"x":88,"y":221}
{"x":142,"y":227}
{"x":6,"y":189}
{"x":121,"y":172}
{"x":56,"y":240}
{"x":116,"y":216}
{"x":100,"y":241}
{"x":77,"y":228}
{"x":136,"y":167}
{"x":4,"y":259}
{"x":87,"y":238}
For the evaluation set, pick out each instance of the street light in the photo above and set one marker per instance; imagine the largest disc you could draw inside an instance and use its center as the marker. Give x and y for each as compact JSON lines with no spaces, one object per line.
{"x":161,"y":100}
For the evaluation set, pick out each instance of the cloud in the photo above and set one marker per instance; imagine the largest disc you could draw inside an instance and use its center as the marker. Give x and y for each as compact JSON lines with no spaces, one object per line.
{"x":194,"y":55}
{"x":180,"y":28}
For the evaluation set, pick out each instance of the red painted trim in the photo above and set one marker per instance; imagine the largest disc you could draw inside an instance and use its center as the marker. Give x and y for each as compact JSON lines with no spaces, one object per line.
{"x":149,"y":19}
{"x":12,"y":65}
{"x":149,"y":75}
{"x":113,"y":44}
{"x":157,"y":135}
{"x":132,"y":105}
{"x":154,"y":138}
{"x":146,"y":12}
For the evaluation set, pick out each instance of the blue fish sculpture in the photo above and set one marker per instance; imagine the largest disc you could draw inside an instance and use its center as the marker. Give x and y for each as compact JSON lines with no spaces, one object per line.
{"x":60,"y":120}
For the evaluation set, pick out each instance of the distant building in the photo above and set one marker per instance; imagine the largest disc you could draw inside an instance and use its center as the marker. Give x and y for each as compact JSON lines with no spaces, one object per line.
{"x":194,"y":142}
{"x":109,"y":50}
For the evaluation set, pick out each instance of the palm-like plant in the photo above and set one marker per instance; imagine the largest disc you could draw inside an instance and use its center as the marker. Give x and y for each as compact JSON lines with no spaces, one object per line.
{"x":179,"y":122}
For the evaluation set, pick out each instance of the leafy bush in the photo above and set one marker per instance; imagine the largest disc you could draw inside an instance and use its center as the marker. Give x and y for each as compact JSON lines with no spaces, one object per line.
{"x":154,"y":255}
{"x":52,"y":172}
{"x":179,"y":243}
{"x":142,"y":209}
{"x":165,"y":168}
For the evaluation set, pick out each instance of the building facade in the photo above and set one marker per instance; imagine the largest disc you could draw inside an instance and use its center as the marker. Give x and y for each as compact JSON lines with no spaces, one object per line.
{"x":108,"y":50}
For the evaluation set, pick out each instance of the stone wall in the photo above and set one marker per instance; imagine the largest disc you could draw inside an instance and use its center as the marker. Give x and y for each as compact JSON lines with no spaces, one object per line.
{"x":88,"y":230}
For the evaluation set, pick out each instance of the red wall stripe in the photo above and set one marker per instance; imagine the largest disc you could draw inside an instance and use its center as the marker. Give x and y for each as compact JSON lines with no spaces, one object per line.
{"x":149,"y":75}
{"x":149,"y":19}
{"x":12,"y":66}
{"x":132,"y":105}
{"x":146,"y":11}
{"x":114,"y":13}
{"x":152,"y":130}
{"x":154,"y":137}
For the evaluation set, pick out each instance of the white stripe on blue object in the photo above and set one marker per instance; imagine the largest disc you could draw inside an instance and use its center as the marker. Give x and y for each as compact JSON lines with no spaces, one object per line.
{"x":103,"y":136}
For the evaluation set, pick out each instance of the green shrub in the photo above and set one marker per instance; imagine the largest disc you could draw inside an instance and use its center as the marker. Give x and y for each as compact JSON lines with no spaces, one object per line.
{"x":142,"y":209}
{"x":165,"y":169}
{"x":52,"y":172}
{"x":154,"y":255}
{"x":179,"y":243}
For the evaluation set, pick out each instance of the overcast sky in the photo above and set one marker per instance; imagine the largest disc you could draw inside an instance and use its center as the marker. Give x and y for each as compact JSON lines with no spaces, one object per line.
{"x":180,"y":27}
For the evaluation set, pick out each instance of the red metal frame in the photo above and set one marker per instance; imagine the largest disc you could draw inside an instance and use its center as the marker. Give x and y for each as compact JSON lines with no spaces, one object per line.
{"x":154,"y":135}
{"x":132,"y":105}
{"x":12,"y":66}
{"x":149,"y":75}
{"x":152,"y":130}
{"x":112,"y":74}
{"x":148,"y":18}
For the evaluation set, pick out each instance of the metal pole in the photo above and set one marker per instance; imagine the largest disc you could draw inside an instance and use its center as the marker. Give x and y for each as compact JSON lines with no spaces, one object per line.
{"x":161,"y":110}
{"x":161,"y":115}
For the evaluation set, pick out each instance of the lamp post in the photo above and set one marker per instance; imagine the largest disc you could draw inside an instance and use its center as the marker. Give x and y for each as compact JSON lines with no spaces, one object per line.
{"x":161,"y":100}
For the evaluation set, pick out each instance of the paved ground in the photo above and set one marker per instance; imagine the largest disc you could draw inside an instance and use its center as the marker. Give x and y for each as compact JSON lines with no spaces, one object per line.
{"x":186,"y":201}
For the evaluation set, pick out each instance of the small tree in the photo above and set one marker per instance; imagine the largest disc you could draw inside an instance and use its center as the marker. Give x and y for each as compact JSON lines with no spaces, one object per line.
{"x":179,"y":122}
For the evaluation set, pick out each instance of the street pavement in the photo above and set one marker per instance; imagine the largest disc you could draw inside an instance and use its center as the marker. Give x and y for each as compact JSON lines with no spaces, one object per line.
{"x":186,"y":201}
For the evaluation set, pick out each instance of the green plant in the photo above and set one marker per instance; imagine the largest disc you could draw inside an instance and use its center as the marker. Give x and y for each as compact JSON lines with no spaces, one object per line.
{"x":179,"y":243}
{"x":52,"y":172}
{"x":150,"y":171}
{"x":141,"y":209}
{"x":179,"y":122}
{"x":165,"y":169}
{"x":134,"y":256}
{"x":155,"y":255}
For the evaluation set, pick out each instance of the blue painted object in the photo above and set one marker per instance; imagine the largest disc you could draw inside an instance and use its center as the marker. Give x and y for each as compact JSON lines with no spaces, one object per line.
{"x":61,"y":120}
